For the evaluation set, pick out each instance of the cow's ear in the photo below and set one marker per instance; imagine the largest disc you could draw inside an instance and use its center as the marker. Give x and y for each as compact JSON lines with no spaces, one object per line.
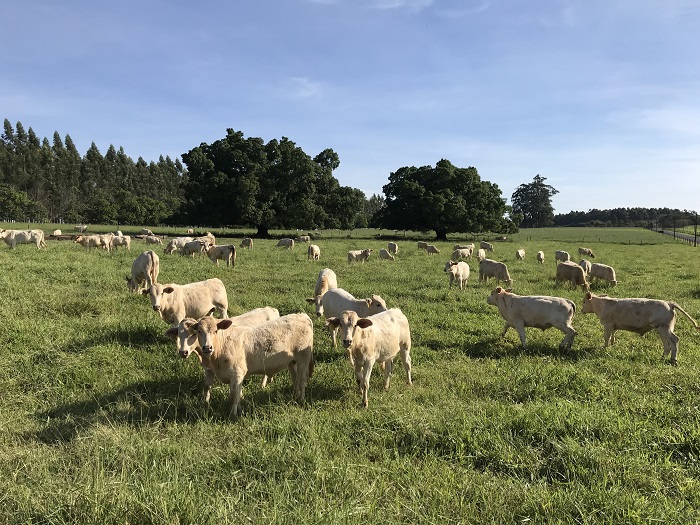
{"x":588,"y":295}
{"x":364,"y":323}
{"x":333,"y":321}
{"x":145,"y":292}
{"x":508,"y":290}
{"x":171,"y":333}
{"x":369,"y":301}
{"x":224,"y":324}
{"x":499,"y":290}
{"x":128,"y":278}
{"x":168,"y":289}
{"x":188,"y":323}
{"x":311,"y":300}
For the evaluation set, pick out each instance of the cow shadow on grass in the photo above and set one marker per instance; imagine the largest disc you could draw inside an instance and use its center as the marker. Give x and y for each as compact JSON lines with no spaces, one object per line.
{"x":499,"y":348}
{"x":174,"y":401}
{"x":139,"y":337}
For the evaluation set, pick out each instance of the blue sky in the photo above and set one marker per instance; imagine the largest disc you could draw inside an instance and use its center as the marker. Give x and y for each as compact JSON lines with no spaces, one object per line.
{"x":601,"y":97}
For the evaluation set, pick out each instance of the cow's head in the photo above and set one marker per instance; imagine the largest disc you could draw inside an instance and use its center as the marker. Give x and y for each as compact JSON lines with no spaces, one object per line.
{"x":349,"y":323}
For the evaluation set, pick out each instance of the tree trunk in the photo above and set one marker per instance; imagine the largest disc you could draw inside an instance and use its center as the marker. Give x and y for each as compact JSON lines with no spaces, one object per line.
{"x":440,"y":235}
{"x":263,"y":232}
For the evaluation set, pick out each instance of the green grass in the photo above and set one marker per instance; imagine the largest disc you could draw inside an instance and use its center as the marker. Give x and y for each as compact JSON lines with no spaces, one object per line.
{"x":101,"y":422}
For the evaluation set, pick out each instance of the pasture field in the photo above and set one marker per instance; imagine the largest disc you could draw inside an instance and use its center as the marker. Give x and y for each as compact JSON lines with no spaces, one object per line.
{"x":101,"y":422}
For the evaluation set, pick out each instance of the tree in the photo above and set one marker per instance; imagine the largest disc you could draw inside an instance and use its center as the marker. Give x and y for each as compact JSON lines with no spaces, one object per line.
{"x":534,"y":202}
{"x":444,"y":198}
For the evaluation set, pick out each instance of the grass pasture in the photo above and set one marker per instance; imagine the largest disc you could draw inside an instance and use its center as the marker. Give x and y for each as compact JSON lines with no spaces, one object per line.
{"x":101,"y":422}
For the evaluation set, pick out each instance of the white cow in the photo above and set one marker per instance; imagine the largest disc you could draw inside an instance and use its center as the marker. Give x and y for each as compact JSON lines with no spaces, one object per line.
{"x":639,"y":316}
{"x":153,"y":239}
{"x":604,"y":272}
{"x":392,"y":248}
{"x":224,"y":252}
{"x":313,"y":252}
{"x":432,"y":250}
{"x":461,"y":253}
{"x":231,"y":353}
{"x":385,"y":255}
{"x":359,"y":255}
{"x":121,"y":240}
{"x":572,"y":272}
{"x":80,"y":228}
{"x":336,"y":300}
{"x":536,"y":311}
{"x":286,"y":243}
{"x":540,"y":257}
{"x":14,"y":237}
{"x":191,"y":248}
{"x":144,"y":269}
{"x":177,"y":244}
{"x":325,"y":281}
{"x":497,"y":270}
{"x":586,"y":251}
{"x":174,"y":302}
{"x":422,"y":245}
{"x":481,"y":254}
{"x":520,"y":254}
{"x":302,"y":238}
{"x":561,"y":256}
{"x":247,"y":243}
{"x":145,"y":231}
{"x":459,"y":273}
{"x":88,"y":241}
{"x":377,"y":338}
{"x":586,"y":265}
{"x":486,"y":246}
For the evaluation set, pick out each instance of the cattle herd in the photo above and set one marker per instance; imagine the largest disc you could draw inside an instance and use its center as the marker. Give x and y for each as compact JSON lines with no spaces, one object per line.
{"x":261,"y":342}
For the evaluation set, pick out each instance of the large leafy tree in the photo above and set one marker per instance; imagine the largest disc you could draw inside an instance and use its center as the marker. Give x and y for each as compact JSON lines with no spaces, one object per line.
{"x":243,"y":181}
{"x":533,"y":202}
{"x":444,"y":198}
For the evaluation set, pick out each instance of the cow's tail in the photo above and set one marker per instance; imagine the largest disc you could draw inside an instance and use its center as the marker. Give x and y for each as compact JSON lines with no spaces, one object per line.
{"x":677,"y":307}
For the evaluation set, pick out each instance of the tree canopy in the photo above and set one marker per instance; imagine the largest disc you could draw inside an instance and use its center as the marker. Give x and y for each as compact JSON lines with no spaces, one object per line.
{"x":243,"y":181}
{"x":533,"y":202}
{"x":443,"y":198}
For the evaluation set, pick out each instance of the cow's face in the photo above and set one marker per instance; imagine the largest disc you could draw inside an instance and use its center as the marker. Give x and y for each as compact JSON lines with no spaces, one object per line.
{"x":349,"y":323}
{"x":316,"y":301}
{"x":187,"y":341}
{"x":587,"y":303}
{"x":376,"y":304}
{"x":156,"y":292}
{"x":493,"y":298}
{"x":206,"y":329}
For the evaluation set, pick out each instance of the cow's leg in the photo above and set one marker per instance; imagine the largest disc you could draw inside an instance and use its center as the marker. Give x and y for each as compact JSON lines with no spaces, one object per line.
{"x":406,"y":358}
{"x":209,"y":378}
{"x":505,"y":329}
{"x":520,"y":328}
{"x":388,"y":368}
{"x":569,"y":334}
{"x":609,"y":335}
{"x":236,"y":393}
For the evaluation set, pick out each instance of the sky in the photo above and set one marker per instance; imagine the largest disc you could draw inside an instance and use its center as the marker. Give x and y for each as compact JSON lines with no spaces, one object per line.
{"x":600,"y":97}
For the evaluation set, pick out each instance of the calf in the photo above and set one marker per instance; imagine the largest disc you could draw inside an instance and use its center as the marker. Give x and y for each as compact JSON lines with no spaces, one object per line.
{"x":561,"y":256}
{"x":540,"y":257}
{"x":572,"y":272}
{"x":639,"y":316}
{"x":422,"y":245}
{"x":286,"y":243}
{"x":224,"y":252}
{"x":461,"y":253}
{"x":497,"y":270}
{"x":325,"y":281}
{"x":459,"y":272}
{"x":14,"y":237}
{"x":392,"y":248}
{"x":88,"y":241}
{"x":432,"y":250}
{"x":192,"y":247}
{"x":231,"y":353}
{"x":359,"y":255}
{"x":144,"y":269}
{"x":247,"y":243}
{"x":604,"y":272}
{"x":486,"y":246}
{"x":385,"y":254}
{"x":153,"y":239}
{"x":121,"y":240}
{"x":379,"y":337}
{"x":178,"y":243}
{"x":174,"y":302}
{"x":481,"y":254}
{"x":586,"y":251}
{"x":536,"y":311}
{"x":520,"y":254}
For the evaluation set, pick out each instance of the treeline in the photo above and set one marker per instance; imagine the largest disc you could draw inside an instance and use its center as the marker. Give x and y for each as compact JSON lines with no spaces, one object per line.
{"x":626,"y":217}
{"x":235,"y":181}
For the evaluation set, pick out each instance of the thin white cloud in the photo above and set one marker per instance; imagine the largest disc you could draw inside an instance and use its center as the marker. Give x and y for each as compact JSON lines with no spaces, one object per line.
{"x":464,"y":10}
{"x":303,"y":87}
{"x":413,"y":5}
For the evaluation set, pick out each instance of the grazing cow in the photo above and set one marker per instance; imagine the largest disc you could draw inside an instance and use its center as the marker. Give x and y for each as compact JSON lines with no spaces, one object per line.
{"x":190,"y":231}
{"x":207,"y":238}
{"x":106,"y":241}
{"x":123,"y":240}
{"x":586,"y":251}
{"x":486,"y":246}
{"x":497,"y":270}
{"x":392,"y":248}
{"x":461,"y":253}
{"x":88,"y":241}
{"x":481,"y":254}
{"x":639,"y":316}
{"x":80,"y":228}
{"x":464,"y":247}
{"x":118,"y":233}
{"x":57,"y":233}
{"x":432,"y":250}
{"x":520,"y":254}
{"x":385,"y":255}
{"x":325,"y":281}
{"x":540,"y":257}
{"x":336,"y":300}
{"x":286,"y":243}
{"x":536,"y":311}
{"x":178,"y":243}
{"x":561,"y":256}
{"x":145,"y":231}
{"x":153,"y":239}
{"x":174,"y":302}
{"x":313,"y":252}
{"x":459,"y":272}
{"x":604,"y":272}
{"x":377,"y":338}
{"x":231,"y":353}
{"x":181,"y":332}
{"x":224,"y":252}
{"x":422,"y":245}
{"x":247,"y":243}
{"x":586,"y":265}
{"x":14,"y":237}
{"x":144,"y":269}
{"x":359,"y":255}
{"x":192,"y":247}
{"x":572,"y":272}
{"x":302,"y":238}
